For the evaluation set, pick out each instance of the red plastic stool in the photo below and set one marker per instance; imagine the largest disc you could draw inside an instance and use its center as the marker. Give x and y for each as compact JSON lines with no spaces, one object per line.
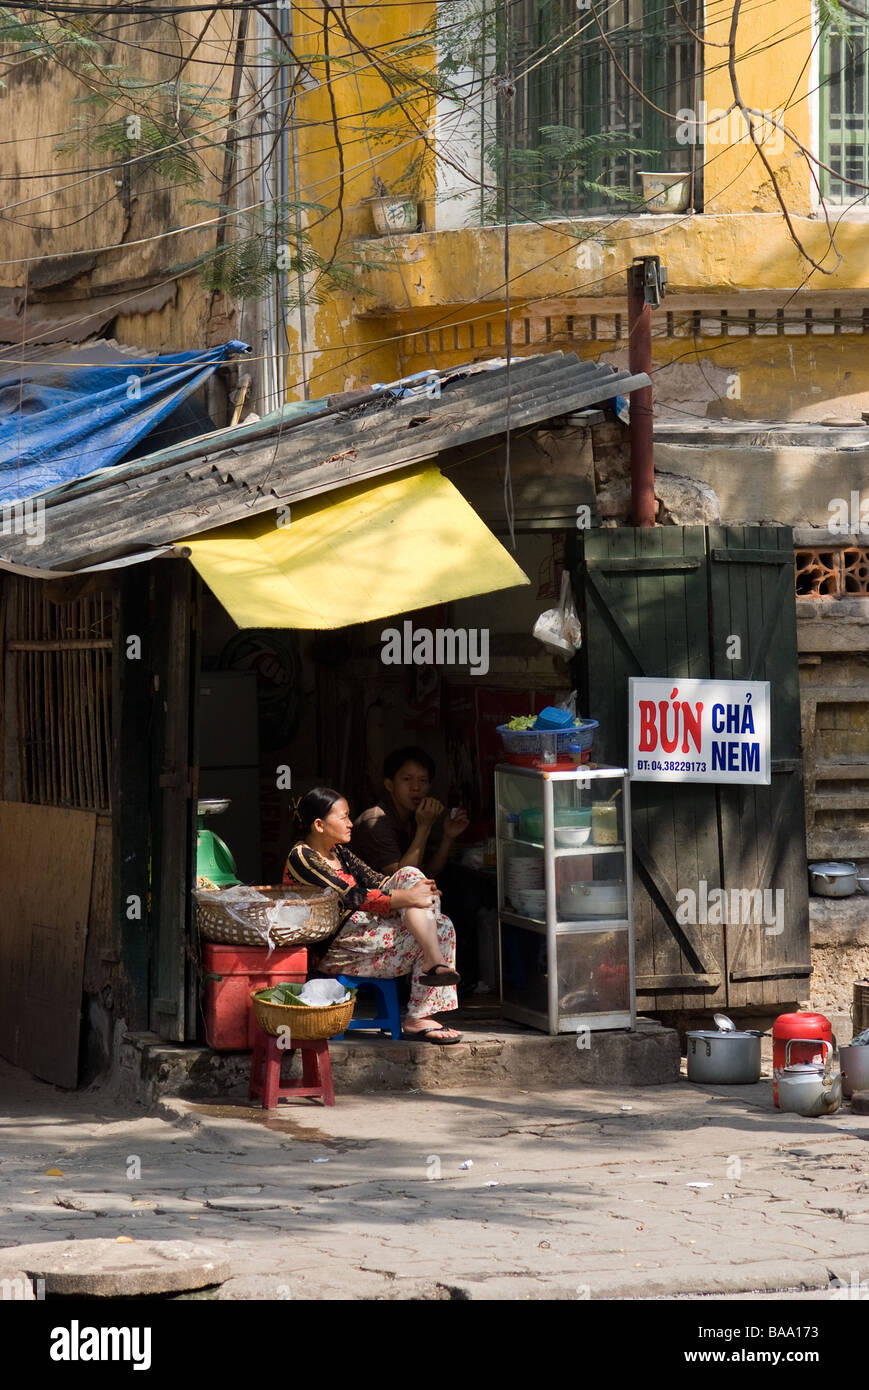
{"x":265,"y":1070}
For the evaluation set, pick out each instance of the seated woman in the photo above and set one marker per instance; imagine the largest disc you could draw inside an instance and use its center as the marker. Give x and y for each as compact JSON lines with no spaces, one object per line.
{"x":387,"y":927}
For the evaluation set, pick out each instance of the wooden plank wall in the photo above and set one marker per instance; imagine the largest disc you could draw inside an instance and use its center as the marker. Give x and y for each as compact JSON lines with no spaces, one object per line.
{"x":100,"y":973}
{"x":172,"y":792}
{"x":46,"y":868}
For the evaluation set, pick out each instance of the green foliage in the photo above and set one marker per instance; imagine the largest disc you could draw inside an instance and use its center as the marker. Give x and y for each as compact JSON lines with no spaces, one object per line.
{"x":47,"y":40}
{"x":288,"y":993}
{"x":833,"y":19}
{"x":261,"y":248}
{"x":564,"y":161}
{"x":159,"y":124}
{"x":468,"y":35}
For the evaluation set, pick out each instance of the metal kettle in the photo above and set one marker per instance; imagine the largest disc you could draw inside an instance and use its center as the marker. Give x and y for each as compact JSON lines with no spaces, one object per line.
{"x":809,"y":1088}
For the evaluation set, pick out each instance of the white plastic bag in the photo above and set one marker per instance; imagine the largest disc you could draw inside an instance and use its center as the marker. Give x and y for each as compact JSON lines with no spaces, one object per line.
{"x":559,"y":628}
{"x":323,"y":993}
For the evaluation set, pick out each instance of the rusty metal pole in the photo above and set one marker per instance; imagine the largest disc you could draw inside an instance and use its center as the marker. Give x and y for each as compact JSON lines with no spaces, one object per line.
{"x":640,"y":360}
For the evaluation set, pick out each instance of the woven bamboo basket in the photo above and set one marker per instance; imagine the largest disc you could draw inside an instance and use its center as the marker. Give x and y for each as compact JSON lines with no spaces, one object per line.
{"x":302,"y":1021}
{"x":247,"y":925}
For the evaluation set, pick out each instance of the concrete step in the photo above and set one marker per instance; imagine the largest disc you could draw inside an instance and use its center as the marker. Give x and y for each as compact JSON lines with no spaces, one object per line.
{"x":499,"y":1054}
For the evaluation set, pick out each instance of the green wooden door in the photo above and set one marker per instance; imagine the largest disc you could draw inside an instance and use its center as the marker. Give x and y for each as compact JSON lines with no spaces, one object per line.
{"x":763,"y":834}
{"x":664,"y":602}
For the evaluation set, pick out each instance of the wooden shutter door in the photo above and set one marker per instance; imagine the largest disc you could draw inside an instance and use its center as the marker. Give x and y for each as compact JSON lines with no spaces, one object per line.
{"x":763,"y":835}
{"x":645,"y":595}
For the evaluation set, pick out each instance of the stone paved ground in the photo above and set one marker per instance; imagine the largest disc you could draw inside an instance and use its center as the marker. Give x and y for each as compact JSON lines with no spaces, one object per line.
{"x":571,"y":1195}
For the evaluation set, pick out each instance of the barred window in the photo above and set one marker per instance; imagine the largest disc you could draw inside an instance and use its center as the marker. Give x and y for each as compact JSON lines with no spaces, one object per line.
{"x":577,"y":124}
{"x":844,"y":100}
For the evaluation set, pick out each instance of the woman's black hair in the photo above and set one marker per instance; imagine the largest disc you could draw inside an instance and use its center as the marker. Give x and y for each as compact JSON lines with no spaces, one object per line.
{"x":316,"y":805}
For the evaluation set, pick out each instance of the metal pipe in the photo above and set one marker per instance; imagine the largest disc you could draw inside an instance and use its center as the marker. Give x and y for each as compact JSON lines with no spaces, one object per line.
{"x":270,"y":393}
{"x":290,"y":148}
{"x":642,"y":421}
{"x":695,"y":112}
{"x":282,"y":182}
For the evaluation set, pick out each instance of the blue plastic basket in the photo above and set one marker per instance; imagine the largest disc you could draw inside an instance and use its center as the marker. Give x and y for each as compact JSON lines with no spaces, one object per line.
{"x":574,"y":739}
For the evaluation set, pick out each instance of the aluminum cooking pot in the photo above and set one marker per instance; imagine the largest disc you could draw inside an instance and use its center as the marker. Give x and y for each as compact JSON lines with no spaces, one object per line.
{"x":579,"y":901}
{"x":854,"y":1062}
{"x":805,"y":1088}
{"x":723,"y":1059}
{"x":831,"y":879}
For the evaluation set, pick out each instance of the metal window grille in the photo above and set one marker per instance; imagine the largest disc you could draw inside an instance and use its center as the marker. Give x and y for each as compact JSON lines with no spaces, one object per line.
{"x":564,"y":76}
{"x":845,"y":114}
{"x":61,"y":667}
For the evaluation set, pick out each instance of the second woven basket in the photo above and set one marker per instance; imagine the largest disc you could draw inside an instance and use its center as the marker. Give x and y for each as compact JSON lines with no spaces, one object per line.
{"x":303,"y":1022}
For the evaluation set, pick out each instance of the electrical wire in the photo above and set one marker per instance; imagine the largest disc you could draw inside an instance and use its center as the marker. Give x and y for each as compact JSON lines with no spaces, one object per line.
{"x":508,"y":92}
{"x":210,"y":223}
{"x":150,"y":155}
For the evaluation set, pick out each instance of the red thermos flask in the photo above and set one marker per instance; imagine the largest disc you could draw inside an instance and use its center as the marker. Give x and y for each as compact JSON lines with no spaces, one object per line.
{"x":813,"y":1027}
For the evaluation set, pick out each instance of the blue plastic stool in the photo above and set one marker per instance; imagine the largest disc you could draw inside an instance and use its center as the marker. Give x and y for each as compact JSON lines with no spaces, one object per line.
{"x":388,"y":1019}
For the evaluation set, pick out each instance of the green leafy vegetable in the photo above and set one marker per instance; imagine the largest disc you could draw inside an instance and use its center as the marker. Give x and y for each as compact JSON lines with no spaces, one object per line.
{"x":288,"y":993}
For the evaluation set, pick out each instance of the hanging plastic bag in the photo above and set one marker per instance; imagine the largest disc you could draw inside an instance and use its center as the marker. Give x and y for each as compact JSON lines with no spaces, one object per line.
{"x":559,"y":629}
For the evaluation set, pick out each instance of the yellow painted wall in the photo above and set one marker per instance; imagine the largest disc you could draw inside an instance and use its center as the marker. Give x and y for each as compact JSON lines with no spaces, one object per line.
{"x":434,"y":298}
{"x":344,"y":351}
{"x":703,"y":254}
{"x":773,"y":69}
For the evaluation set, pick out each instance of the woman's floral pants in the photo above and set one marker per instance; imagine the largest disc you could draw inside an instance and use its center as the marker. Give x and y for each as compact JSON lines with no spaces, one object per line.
{"x":383,"y":948}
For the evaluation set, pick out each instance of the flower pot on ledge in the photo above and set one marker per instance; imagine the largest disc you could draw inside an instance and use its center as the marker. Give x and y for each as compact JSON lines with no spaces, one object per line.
{"x":393,"y":214}
{"x":665,"y":192}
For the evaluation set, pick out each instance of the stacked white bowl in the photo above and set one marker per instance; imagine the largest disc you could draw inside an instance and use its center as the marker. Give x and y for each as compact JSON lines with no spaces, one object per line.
{"x":525,"y":886}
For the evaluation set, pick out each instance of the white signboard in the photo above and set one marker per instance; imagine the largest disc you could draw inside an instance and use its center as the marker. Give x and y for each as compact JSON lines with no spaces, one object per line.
{"x":699,"y":731}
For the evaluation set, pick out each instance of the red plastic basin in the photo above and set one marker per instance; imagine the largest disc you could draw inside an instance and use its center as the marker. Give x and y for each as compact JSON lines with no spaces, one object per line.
{"x":231,"y":972}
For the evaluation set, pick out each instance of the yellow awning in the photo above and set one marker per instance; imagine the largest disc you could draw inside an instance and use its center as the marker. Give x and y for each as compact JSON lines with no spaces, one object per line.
{"x":349,"y":556}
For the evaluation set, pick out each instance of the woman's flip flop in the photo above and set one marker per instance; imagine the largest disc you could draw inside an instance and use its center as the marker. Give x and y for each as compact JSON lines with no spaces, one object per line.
{"x":440,"y":975}
{"x":432,"y":1035}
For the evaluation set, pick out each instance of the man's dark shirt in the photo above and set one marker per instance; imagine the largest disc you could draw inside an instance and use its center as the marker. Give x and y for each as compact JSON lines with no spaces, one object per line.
{"x":380,"y":837}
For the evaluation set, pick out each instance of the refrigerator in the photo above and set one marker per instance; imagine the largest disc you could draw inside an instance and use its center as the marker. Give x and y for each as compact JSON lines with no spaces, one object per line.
{"x":229,"y":763}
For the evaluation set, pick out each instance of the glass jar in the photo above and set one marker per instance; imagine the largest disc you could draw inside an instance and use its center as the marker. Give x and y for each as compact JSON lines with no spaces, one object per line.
{"x":605,"y":823}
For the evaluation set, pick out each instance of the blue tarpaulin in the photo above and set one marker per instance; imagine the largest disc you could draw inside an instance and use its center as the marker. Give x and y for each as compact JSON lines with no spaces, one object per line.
{"x":66,"y":412}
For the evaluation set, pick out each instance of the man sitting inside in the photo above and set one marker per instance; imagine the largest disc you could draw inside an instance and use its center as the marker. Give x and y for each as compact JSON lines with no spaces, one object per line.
{"x":398,"y":831}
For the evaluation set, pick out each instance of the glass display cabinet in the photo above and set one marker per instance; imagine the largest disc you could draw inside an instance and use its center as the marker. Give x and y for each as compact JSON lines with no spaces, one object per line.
{"x":564,"y":897}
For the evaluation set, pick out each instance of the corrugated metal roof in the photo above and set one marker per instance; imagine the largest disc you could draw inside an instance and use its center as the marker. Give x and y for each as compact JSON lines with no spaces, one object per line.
{"x":220,"y":478}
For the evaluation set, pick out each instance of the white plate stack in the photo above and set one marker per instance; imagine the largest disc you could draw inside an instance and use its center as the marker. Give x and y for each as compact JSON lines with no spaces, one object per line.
{"x":523,"y":875}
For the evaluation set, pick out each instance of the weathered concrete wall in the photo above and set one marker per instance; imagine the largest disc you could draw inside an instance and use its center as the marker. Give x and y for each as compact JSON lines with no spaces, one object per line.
{"x":709,"y":255}
{"x":101,"y":245}
{"x":840,"y":951}
{"x":773,"y":480}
